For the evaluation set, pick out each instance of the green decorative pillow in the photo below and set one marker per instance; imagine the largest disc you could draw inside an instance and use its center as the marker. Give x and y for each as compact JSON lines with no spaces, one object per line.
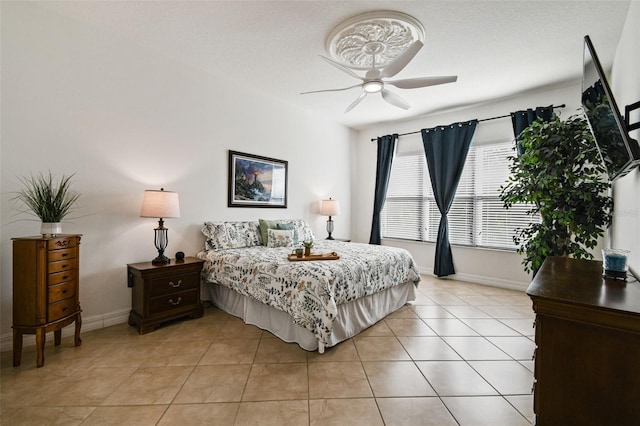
{"x":265,"y":225}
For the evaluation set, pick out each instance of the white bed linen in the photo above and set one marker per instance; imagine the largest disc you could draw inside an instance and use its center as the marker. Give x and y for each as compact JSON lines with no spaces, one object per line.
{"x":310,"y":292}
{"x":353,"y":317}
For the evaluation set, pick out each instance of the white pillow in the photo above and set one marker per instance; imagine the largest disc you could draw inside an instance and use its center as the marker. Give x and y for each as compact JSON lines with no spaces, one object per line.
{"x":279,"y":238}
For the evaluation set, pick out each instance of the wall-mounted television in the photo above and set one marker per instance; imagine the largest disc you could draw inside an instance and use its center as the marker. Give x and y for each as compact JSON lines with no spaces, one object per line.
{"x":620,"y":153}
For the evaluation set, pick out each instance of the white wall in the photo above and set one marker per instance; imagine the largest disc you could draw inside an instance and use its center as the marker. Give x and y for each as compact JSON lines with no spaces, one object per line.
{"x":492,"y":267}
{"x":626,"y":89}
{"x":125,"y":119}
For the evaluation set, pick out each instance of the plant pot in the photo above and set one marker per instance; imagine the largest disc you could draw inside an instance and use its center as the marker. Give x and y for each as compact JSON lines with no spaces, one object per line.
{"x":51,"y":228}
{"x":307,"y":251}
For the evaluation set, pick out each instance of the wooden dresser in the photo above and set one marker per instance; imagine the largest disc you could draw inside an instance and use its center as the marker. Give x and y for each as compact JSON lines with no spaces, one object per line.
{"x":164,"y":292}
{"x":45,"y":290}
{"x":587,"y":360}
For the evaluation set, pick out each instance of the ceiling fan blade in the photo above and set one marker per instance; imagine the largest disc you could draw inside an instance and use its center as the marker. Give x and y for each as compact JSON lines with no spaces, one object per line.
{"x":414,"y":83}
{"x":394,"y":99}
{"x":331,"y":90}
{"x":356,"y":102}
{"x":401,"y":61}
{"x":341,"y":67}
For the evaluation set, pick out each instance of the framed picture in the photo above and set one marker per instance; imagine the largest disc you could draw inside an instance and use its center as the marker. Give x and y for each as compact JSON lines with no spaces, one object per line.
{"x":256,"y":181}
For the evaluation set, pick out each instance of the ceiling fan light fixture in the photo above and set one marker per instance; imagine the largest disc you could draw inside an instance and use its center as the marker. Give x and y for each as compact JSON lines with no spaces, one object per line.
{"x":372,"y":86}
{"x":387,"y":45}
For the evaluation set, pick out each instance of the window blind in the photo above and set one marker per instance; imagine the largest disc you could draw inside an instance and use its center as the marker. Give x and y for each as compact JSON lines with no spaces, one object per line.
{"x":476,"y":217}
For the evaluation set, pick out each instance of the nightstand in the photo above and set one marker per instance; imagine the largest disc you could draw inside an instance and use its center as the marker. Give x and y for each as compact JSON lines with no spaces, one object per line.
{"x":164,"y":292}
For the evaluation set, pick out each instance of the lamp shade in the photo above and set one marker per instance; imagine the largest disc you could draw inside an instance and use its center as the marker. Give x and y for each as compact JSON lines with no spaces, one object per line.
{"x":330,"y":207}
{"x":160,"y":204}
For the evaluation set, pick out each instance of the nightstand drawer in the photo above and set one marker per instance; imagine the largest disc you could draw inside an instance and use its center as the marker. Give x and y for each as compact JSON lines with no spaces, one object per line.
{"x":62,"y":291}
{"x":70,"y":253}
{"x":62,"y":265}
{"x":174,"y":283}
{"x":173,"y":301}
{"x":62,"y":309}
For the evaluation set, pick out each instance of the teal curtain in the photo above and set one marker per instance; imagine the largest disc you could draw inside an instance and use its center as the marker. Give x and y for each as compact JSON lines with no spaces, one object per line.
{"x":386,"y":150}
{"x":446,"y":149}
{"x":523,"y":119}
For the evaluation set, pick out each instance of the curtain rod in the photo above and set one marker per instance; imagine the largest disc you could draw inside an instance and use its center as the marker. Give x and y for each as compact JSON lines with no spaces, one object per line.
{"x":484,"y":119}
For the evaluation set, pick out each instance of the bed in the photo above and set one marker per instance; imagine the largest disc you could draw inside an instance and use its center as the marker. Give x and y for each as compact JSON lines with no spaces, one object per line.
{"x":316,"y":304}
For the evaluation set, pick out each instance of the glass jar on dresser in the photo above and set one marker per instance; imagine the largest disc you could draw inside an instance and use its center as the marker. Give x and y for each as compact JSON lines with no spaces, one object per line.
{"x":45,"y":290}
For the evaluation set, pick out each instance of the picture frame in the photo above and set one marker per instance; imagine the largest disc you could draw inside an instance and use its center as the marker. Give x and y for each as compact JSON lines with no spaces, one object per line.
{"x":257,"y":181}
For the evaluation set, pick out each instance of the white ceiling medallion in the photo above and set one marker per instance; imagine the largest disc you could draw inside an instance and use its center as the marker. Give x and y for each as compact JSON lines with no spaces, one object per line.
{"x":381,"y":36}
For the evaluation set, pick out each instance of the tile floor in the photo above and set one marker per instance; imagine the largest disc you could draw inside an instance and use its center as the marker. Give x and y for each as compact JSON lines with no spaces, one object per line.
{"x":459,"y":355}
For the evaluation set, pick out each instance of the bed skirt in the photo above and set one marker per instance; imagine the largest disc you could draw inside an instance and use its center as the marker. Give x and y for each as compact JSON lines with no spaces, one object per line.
{"x":352,"y":318}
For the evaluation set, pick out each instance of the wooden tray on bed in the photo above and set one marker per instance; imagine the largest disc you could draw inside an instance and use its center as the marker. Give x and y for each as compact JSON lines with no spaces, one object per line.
{"x":324,"y":256}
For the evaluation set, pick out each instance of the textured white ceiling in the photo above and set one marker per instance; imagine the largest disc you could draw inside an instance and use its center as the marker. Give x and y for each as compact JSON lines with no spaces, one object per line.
{"x":497,"y":48}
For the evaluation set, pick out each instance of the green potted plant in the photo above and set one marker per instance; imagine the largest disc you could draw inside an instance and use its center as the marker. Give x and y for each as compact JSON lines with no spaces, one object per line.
{"x":307,"y":247}
{"x":51,"y":202}
{"x":562,"y":176}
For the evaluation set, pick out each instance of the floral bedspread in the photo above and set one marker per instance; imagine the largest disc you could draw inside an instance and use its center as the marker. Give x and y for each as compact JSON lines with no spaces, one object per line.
{"x":310,"y":291}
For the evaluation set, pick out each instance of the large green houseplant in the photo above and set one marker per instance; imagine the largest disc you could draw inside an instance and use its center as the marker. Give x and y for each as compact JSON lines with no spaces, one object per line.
{"x":562,"y":176}
{"x":51,"y":202}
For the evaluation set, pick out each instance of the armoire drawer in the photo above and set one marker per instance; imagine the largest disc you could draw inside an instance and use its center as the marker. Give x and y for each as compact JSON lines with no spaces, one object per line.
{"x":56,"y":255}
{"x":62,"y":309}
{"x":62,"y":291}
{"x":62,"y":265}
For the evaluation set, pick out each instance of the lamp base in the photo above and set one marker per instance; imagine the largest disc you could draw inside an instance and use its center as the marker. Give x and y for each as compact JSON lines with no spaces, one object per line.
{"x":329,"y":228}
{"x":161,"y":241}
{"x":161,"y":260}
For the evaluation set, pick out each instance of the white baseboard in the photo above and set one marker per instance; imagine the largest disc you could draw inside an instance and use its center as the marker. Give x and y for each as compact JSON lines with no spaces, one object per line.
{"x":482,"y":280}
{"x":88,"y":323}
{"x":492,"y":282}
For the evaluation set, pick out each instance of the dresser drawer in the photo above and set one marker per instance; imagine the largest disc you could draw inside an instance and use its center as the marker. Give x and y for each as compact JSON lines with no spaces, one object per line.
{"x":62,"y":265}
{"x":62,"y":291}
{"x":173,"y":301}
{"x":62,"y":309}
{"x":174,"y":283}
{"x":70,"y":253}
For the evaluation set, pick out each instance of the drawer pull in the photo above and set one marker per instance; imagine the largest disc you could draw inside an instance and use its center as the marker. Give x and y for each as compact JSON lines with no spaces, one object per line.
{"x":65,"y":254}
{"x":171,"y":283}
{"x":176,"y":302}
{"x":64,"y":291}
{"x":64,"y":309}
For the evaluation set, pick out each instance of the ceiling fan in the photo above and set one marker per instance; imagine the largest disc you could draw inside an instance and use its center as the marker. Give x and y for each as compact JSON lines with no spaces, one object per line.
{"x":373,"y":81}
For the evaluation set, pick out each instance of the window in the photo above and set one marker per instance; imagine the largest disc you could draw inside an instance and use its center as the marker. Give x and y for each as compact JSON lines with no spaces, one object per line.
{"x":476,"y":217}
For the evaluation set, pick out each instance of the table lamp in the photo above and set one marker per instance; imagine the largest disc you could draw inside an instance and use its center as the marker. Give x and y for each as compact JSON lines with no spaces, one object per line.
{"x":329,"y":208}
{"x":161,"y":204}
